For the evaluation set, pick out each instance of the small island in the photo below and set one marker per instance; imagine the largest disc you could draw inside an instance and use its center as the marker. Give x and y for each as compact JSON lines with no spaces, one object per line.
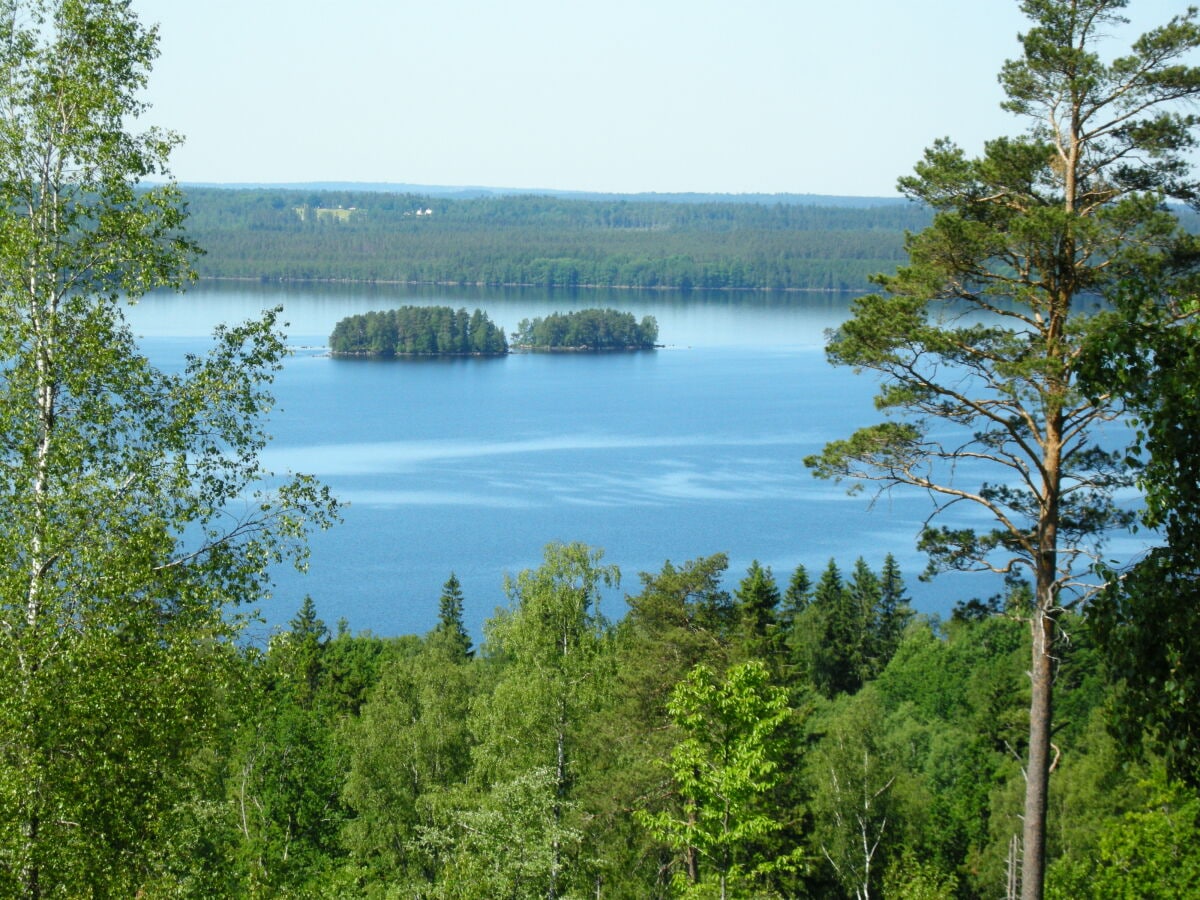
{"x":418,"y":331}
{"x":587,"y":330}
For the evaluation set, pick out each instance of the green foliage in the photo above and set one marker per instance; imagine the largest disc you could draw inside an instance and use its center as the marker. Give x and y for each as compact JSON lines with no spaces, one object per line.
{"x":555,"y":649}
{"x":450,"y":631}
{"x":409,"y":750}
{"x":352,"y":766}
{"x":727,"y":758}
{"x":1153,"y":851}
{"x":911,"y":879}
{"x":758,"y":602}
{"x":587,"y":329}
{"x":510,"y":845}
{"x":418,"y":331}
{"x":1147,"y":618}
{"x":839,"y":661}
{"x":957,"y":701}
{"x":852,"y":774}
{"x":846,"y":632}
{"x":146,"y":751}
{"x":985,"y":327}
{"x":133,"y":511}
{"x":682,"y":617}
{"x":285,"y":789}
{"x":548,"y":242}
{"x":798,"y":593}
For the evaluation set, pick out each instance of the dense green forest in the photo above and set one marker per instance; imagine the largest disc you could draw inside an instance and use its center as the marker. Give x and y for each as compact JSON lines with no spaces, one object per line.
{"x":587,"y":329}
{"x":418,"y":331}
{"x":804,"y":737}
{"x":546,"y":241}
{"x":716,"y":734}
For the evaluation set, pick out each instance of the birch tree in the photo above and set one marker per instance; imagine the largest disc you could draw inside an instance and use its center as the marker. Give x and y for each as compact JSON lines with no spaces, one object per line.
{"x":556,"y":650}
{"x":130,"y":517}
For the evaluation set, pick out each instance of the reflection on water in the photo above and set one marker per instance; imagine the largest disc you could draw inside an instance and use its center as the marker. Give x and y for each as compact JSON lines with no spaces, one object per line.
{"x":701,"y":318}
{"x":472,"y":466}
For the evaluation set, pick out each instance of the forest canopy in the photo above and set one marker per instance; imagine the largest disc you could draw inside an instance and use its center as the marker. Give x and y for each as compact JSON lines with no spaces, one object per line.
{"x":587,"y":329}
{"x":545,"y":241}
{"x":418,"y":331}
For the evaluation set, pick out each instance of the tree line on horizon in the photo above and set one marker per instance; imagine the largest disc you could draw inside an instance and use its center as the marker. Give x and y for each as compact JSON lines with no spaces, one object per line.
{"x":544,"y":241}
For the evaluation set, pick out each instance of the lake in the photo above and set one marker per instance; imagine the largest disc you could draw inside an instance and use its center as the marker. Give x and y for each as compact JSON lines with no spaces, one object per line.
{"x":474,"y":465}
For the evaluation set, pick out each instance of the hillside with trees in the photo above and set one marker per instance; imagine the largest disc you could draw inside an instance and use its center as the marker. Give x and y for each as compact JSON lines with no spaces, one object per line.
{"x":693,"y":733}
{"x":544,"y":241}
{"x":801,"y":736}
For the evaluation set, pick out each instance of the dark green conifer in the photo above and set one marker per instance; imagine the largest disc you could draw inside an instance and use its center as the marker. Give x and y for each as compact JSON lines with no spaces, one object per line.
{"x":450,"y":631}
{"x":757,"y":611}
{"x":837,"y":663}
{"x":893,"y":612}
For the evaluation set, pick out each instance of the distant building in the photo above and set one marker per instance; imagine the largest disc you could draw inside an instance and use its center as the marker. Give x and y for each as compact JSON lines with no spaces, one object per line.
{"x":340,"y":214}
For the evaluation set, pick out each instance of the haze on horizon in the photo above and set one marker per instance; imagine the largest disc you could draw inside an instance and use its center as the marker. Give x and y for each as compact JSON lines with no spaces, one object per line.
{"x":624,"y":96}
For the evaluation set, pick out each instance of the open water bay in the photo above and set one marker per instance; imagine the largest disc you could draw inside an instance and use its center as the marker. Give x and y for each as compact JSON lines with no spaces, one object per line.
{"x":474,"y":465}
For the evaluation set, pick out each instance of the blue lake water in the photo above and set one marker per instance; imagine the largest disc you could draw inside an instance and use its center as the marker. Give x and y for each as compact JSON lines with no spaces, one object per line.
{"x":473,"y":466}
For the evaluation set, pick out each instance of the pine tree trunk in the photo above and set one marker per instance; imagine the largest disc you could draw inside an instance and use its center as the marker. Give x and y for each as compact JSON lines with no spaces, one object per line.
{"x":1037,"y":783}
{"x":1044,"y":628}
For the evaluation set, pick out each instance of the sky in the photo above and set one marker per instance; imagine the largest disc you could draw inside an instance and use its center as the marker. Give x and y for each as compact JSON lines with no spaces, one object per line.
{"x":626,"y":96}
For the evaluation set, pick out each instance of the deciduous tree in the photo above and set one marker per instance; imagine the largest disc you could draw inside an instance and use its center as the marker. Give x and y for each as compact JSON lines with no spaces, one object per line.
{"x":556,"y":650}
{"x":727,"y":758}
{"x":130,"y":513}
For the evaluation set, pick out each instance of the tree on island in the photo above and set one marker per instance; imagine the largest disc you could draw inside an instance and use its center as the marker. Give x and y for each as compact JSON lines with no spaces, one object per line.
{"x":1033,"y":234}
{"x":587,"y":329}
{"x":418,"y":331}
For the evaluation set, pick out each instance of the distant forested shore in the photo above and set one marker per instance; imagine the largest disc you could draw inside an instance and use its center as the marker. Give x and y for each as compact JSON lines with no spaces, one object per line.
{"x":545,"y":241}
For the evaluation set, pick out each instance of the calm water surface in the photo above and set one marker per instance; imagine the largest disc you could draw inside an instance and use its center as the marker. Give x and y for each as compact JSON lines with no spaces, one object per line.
{"x":473,"y":466}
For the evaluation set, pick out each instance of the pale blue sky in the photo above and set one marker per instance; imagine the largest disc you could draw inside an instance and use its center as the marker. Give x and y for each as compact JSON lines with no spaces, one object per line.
{"x":798,"y":96}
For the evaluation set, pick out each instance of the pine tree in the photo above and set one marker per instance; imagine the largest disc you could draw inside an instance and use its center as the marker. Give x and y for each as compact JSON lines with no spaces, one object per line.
{"x":985,"y":327}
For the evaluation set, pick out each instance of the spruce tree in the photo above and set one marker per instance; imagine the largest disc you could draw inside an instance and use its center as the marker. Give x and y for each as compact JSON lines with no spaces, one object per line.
{"x":893,"y":612}
{"x":835,"y":641}
{"x":757,"y":599}
{"x":865,"y":595}
{"x":450,"y":632}
{"x":798,"y":593}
